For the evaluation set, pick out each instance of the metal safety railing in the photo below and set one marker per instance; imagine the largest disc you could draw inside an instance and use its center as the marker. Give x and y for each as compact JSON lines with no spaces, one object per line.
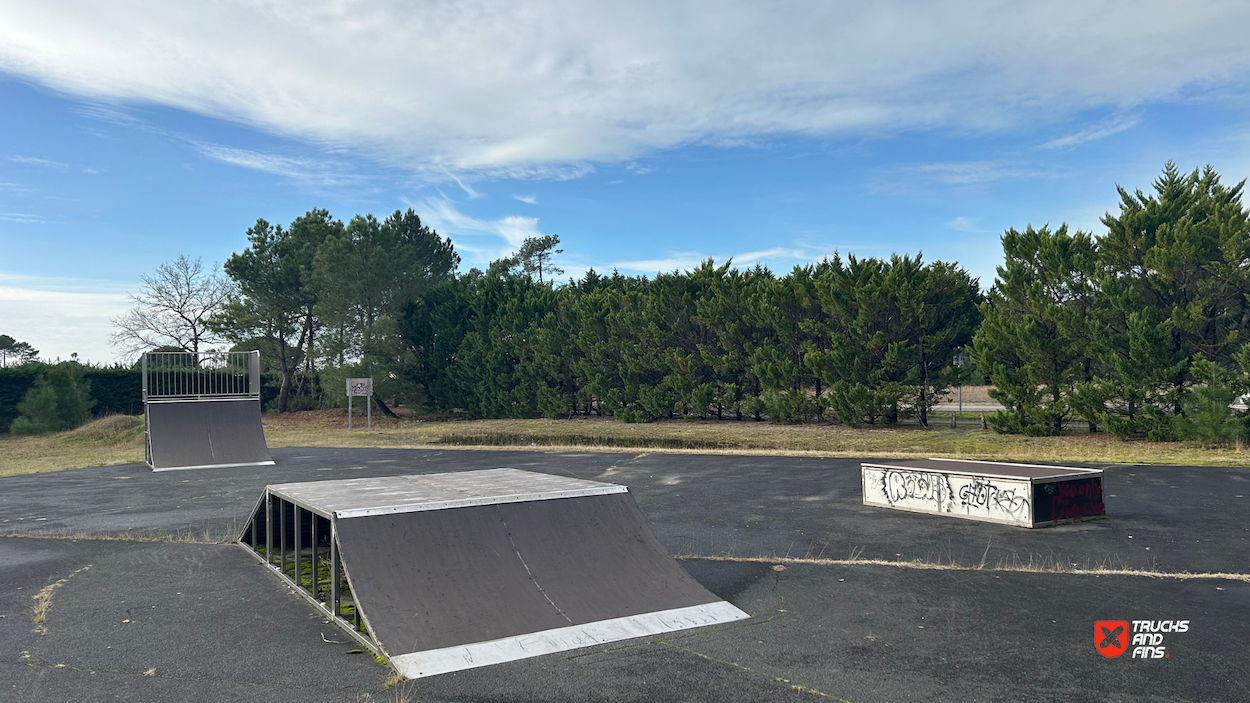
{"x":201,"y":375}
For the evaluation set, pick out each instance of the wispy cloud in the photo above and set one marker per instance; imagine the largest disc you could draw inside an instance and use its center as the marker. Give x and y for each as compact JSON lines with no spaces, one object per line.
{"x":970,"y":172}
{"x":1106,"y":128}
{"x":675,"y":261}
{"x":468,"y":190}
{"x":107,"y":113}
{"x":528,"y":199}
{"x":35,"y":161}
{"x":686,"y":260}
{"x":504,"y":235}
{"x":498,"y":87}
{"x":966,"y":224}
{"x":23,"y":217}
{"x":310,"y":171}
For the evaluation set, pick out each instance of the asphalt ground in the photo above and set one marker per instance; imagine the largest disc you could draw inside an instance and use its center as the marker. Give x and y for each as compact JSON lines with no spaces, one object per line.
{"x":207,"y":623}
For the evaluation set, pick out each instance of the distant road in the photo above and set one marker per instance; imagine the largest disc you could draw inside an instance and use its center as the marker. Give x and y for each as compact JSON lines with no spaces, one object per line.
{"x":970,"y":407}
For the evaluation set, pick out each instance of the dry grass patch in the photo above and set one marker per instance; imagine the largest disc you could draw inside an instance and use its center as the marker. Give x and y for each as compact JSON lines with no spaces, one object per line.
{"x":329,"y":429}
{"x":43,"y":601}
{"x":111,"y":440}
{"x":119,"y":440}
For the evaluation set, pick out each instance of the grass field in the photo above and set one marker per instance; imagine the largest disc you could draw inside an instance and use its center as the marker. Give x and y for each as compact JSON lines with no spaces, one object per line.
{"x":119,"y":440}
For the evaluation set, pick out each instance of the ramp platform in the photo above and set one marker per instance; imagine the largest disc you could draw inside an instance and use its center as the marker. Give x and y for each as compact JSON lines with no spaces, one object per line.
{"x":446,"y":572}
{"x":1026,"y":495}
{"x":203,"y":410}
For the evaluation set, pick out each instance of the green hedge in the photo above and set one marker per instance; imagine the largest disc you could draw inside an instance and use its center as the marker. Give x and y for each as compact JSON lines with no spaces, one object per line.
{"x":117,"y":390}
{"x":15,"y":381}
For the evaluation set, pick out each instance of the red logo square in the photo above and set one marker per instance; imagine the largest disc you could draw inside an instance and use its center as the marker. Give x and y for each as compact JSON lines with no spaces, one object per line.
{"x":1111,"y":637}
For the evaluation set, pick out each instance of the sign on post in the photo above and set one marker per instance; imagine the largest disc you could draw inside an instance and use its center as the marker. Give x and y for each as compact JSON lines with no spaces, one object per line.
{"x":360,"y":387}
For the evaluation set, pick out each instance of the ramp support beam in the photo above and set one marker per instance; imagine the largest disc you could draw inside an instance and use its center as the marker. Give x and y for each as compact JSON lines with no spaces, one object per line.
{"x":336,"y":590}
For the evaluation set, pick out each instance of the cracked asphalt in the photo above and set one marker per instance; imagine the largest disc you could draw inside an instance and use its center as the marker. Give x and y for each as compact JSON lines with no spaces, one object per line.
{"x":192,"y":621}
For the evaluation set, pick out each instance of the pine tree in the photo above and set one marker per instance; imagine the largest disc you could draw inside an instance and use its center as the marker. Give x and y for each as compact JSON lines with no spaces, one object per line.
{"x":1032,"y":340}
{"x":1174,"y":275}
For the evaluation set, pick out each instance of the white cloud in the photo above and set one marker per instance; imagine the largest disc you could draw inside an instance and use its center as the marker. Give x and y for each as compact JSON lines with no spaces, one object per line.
{"x":686,"y":260}
{"x":966,"y":224}
{"x":1106,"y":128}
{"x":970,"y":172}
{"x":309,"y":171}
{"x":503,"y":236}
{"x":35,"y":161}
{"x":62,"y":316}
{"x":528,"y":199}
{"x":676,"y":261}
{"x":546,"y":88}
{"x":22,"y":217}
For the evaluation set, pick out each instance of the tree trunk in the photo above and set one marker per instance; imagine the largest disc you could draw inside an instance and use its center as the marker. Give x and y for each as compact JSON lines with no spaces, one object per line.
{"x":924,"y":388}
{"x":285,"y":393}
{"x":382,"y":406}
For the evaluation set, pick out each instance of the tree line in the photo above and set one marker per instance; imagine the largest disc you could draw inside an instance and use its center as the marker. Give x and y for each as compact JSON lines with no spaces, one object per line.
{"x":1140,"y":332}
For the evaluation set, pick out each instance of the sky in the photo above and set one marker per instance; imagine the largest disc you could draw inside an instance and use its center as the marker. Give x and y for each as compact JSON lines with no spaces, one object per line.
{"x":648,"y":135}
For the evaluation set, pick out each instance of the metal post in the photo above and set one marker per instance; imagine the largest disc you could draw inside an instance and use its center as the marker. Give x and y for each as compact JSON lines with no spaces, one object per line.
{"x":349,"y":410}
{"x":316,"y":568}
{"x":369,"y":406}
{"x":282,"y":530}
{"x":299,"y":546}
{"x":336,"y":587}
{"x":268,"y":528}
{"x":254,"y":375}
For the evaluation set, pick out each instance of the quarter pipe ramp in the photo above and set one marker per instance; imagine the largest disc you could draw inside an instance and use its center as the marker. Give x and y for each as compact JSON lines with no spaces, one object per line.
{"x":199,"y":434}
{"x":453,"y":571}
{"x":203,"y":410}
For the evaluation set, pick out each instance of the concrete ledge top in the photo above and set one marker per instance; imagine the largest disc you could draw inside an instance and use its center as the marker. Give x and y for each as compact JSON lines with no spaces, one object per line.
{"x":995,"y":469}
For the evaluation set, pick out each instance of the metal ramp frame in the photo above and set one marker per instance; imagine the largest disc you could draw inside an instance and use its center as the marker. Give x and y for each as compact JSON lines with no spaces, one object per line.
{"x":445,"y":572}
{"x":202,"y":410}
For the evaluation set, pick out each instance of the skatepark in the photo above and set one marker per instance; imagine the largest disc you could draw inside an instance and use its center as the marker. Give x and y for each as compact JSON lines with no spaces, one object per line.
{"x":151,"y":598}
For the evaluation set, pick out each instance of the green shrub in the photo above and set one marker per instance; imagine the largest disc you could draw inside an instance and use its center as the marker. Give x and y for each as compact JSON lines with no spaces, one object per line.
{"x":60,"y":400}
{"x":1207,"y":418}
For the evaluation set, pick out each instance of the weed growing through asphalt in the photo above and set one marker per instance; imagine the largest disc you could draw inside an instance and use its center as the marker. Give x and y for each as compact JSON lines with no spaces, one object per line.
{"x":43,"y":601}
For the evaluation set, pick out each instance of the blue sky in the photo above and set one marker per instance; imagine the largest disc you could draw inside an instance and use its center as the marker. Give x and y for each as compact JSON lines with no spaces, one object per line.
{"x":648,"y":136}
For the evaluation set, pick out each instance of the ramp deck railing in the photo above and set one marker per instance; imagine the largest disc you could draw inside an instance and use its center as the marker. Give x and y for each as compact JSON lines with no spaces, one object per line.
{"x":170,"y":376}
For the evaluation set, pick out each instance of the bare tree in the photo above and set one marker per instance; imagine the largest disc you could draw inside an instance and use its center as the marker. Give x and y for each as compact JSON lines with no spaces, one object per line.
{"x":173,"y":307}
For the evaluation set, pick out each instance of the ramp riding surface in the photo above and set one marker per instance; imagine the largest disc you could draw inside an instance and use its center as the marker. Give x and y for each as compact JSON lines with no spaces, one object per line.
{"x":203,"y":433}
{"x":455,"y":571}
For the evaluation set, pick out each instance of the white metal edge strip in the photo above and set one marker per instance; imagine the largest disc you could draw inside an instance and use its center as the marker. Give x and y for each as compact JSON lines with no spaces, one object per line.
{"x":468,"y":656}
{"x":472,"y":502}
{"x":213,"y":466}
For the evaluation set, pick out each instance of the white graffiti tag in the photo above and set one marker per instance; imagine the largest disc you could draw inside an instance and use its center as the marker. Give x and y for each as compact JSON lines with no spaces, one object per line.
{"x":985,"y":495}
{"x":901,"y":486}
